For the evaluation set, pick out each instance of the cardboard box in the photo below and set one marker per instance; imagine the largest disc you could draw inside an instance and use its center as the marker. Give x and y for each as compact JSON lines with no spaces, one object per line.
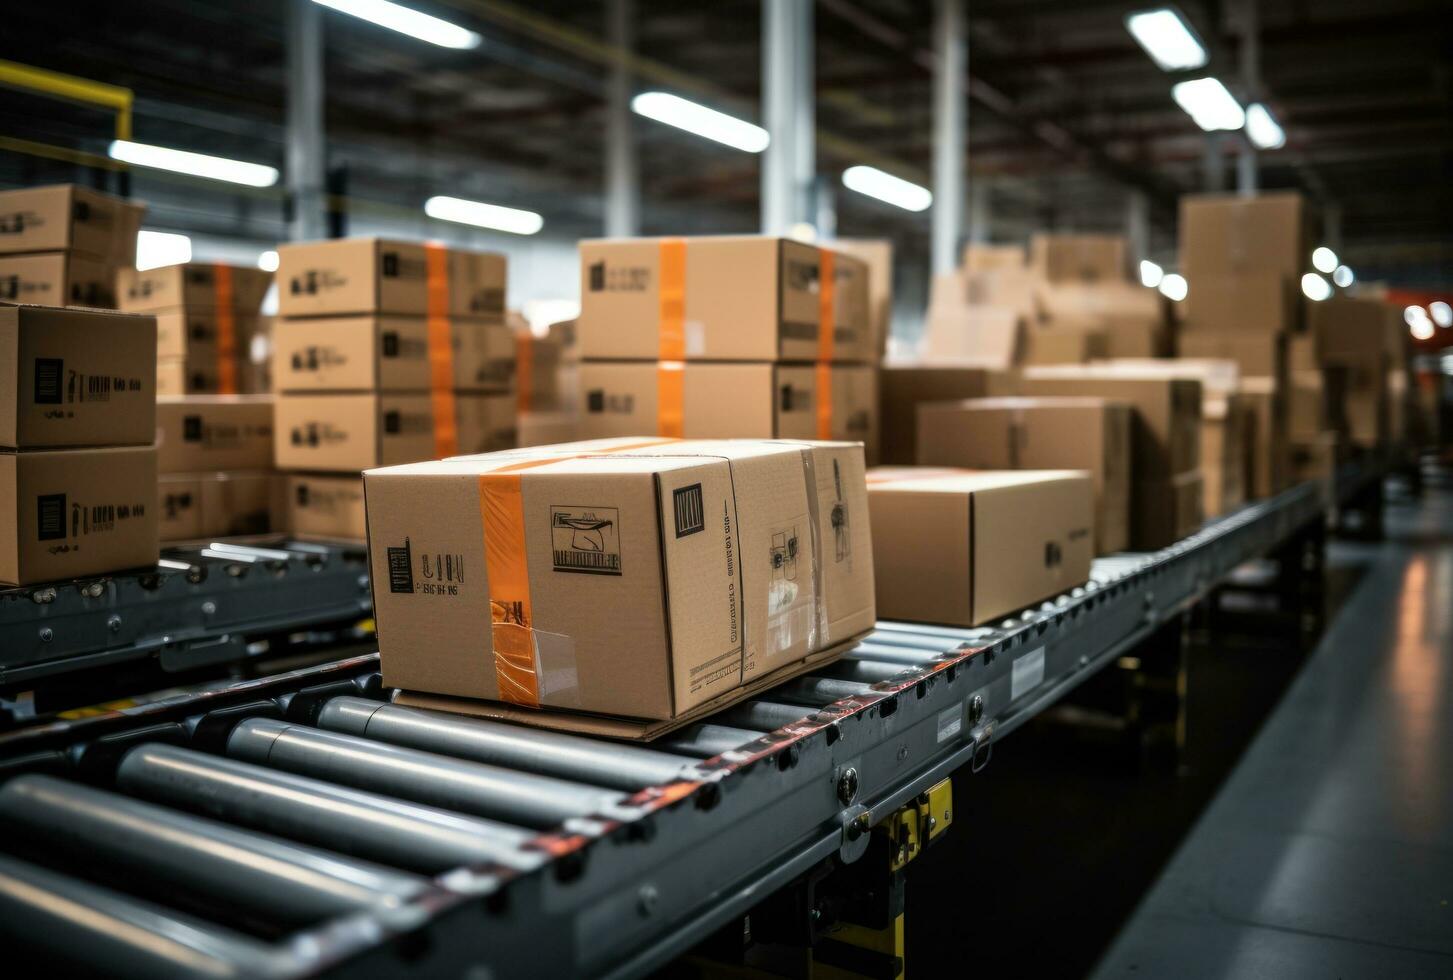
{"x":57,"y":279}
{"x":547,"y":428}
{"x":214,"y":432}
{"x":325,"y":506}
{"x":1349,"y":328}
{"x":211,"y":505}
{"x":729,"y":401}
{"x":177,"y":376}
{"x":76,"y":377}
{"x":1016,"y":289}
{"x":192,"y":287}
{"x":1066,"y":345}
{"x":372,"y":275}
{"x":877,"y":255}
{"x":979,"y":257}
{"x":1270,"y":468}
{"x":65,"y":217}
{"x":1248,"y":302}
{"x":76,"y":512}
{"x":741,"y":298}
{"x":351,"y":432}
{"x":1090,"y":434}
{"x":537,"y":381}
{"x":967,"y":548}
{"x":1224,"y":234}
{"x":1256,"y":355}
{"x":611,"y":588}
{"x":1164,"y":511}
{"x":1056,"y":257}
{"x":988,"y":336}
{"x":904,"y":387}
{"x":387,"y":353}
{"x":1223,"y":453}
{"x":1165,"y":435}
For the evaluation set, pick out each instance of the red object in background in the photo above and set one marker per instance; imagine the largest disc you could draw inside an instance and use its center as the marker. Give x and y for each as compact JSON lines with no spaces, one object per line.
{"x":1442,"y":336}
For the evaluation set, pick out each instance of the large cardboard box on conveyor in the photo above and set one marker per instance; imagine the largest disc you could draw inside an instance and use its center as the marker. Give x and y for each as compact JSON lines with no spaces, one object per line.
{"x":629,"y":591}
{"x":964,"y":548}
{"x":903,"y":387}
{"x":726,"y":298}
{"x":1016,"y":433}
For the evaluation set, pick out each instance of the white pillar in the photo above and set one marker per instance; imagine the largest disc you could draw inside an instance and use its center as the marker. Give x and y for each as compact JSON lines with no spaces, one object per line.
{"x":306,"y":146}
{"x":789,"y":164}
{"x":622,"y":181}
{"x":949,"y":74}
{"x":1137,"y":229}
{"x":980,"y":210}
{"x":1247,"y":176}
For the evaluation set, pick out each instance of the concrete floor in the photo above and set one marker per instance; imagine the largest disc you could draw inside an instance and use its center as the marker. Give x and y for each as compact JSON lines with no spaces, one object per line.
{"x":1328,"y":852}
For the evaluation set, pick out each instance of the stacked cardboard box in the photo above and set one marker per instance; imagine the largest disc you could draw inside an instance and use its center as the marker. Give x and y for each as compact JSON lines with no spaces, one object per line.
{"x":1362,"y":340}
{"x":384,"y":352}
{"x":982,"y":312}
{"x":214,"y":460}
{"x":652,"y":583}
{"x":906,"y":387}
{"x":77,"y":464}
{"x":1166,"y":488}
{"x":207,"y":314}
{"x":726,"y":337}
{"x":1017,"y":433}
{"x":62,"y":245}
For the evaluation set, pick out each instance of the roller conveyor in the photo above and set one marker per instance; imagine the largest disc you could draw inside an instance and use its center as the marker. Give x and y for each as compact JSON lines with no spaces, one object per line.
{"x":443,"y":844}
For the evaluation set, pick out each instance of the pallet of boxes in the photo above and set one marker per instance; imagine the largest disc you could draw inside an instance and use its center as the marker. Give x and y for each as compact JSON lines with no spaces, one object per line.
{"x":1243,"y":257}
{"x":723,"y":337}
{"x":384,"y":352}
{"x":77,"y":465}
{"x":208,"y":315}
{"x":62,"y":245}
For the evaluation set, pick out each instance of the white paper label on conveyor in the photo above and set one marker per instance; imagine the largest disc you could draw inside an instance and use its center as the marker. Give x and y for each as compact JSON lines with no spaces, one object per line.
{"x":1027,"y":673}
{"x":950,"y":722}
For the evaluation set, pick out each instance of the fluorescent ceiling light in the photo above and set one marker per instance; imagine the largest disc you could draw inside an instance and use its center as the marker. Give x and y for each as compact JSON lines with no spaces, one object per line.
{"x":1442,"y":313}
{"x":1167,"y":38}
{"x":155,"y":249}
{"x":196,"y":164}
{"x":1174,"y":287}
{"x":1208,"y":102}
{"x":1413,"y":315}
{"x":1343,"y":276}
{"x":267,"y":261}
{"x":408,"y":21}
{"x":1324,"y":259}
{"x":481,"y":215}
{"x":676,"y":111}
{"x":1150,"y":274}
{"x":1315,"y":288}
{"x":885,"y":187}
{"x":1262,"y":128}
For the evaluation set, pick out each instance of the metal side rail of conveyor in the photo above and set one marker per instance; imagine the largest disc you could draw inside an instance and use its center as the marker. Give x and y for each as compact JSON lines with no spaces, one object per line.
{"x":303,"y":824}
{"x":200,"y":604}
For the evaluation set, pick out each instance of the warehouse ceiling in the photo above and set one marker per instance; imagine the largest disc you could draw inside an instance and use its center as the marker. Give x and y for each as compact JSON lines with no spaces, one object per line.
{"x":1067,"y":115}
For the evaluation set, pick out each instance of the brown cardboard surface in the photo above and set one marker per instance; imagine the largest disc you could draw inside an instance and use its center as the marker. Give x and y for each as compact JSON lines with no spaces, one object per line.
{"x":65,"y":217}
{"x":57,"y":279}
{"x":1249,"y":302}
{"x":877,"y":255}
{"x":177,"y":376}
{"x":192,"y":287}
{"x":1223,"y":452}
{"x":1057,"y":257}
{"x":203,"y":505}
{"x":1347,"y":328}
{"x":76,"y":512}
{"x":991,"y":336}
{"x":538,"y":376}
{"x":966,"y":548}
{"x":729,"y":401}
{"x":386,"y":353}
{"x":1067,"y":345}
{"x":1019,"y":433}
{"x":1015,"y":288}
{"x":214,"y":432}
{"x":1266,"y":399}
{"x":1256,"y":355}
{"x":325,"y":505}
{"x":348,"y":433}
{"x":1224,"y":234}
{"x":477,"y":285}
{"x":76,"y":377}
{"x":1164,"y":511}
{"x":663,"y":621}
{"x":903,"y":387}
{"x":745,"y":298}
{"x":547,"y":428}
{"x":1165,"y":437}
{"x":984,"y":258}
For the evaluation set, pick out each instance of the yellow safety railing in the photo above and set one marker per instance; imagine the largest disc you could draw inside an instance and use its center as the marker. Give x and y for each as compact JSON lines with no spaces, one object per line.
{"x":73,"y":89}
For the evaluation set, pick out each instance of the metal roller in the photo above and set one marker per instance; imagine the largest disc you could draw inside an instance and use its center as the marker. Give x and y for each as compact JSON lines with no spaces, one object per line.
{"x":904,"y":656}
{"x":624,"y":767}
{"x":275,"y":880}
{"x":406,"y":835}
{"x":70,"y":921}
{"x":707,"y":740}
{"x":909,"y":641}
{"x":951,"y":635}
{"x":865,"y":671}
{"x":820,"y":691}
{"x":763,"y":716}
{"x":520,"y":798}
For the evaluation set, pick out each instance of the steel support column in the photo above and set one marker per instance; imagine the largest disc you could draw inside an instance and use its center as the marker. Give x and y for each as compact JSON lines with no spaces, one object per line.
{"x":789,"y":164}
{"x":305,"y":148}
{"x":949,"y":119}
{"x":622,"y":181}
{"x":980,"y":210}
{"x":1246,"y":164}
{"x":1213,"y":163}
{"x":1137,"y":228}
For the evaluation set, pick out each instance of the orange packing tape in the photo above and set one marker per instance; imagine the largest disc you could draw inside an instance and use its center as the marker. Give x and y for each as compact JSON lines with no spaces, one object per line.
{"x":441,"y":352}
{"x":524,"y":370}
{"x":226,"y":329}
{"x":671,"y":399}
{"x":512,"y":631}
{"x":824,"y":400}
{"x":826,"y":304}
{"x":672,"y":323}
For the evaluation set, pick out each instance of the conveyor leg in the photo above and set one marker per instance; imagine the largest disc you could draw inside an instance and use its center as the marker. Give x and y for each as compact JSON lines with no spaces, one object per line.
{"x":1367,"y":505}
{"x":1301,"y":580}
{"x":1155,"y":676}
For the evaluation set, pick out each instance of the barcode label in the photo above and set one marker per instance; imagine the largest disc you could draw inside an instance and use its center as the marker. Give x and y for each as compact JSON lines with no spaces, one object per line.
{"x":401,"y":569}
{"x":587,"y":561}
{"x":51,"y":516}
{"x":48,"y":372}
{"x":690,"y":516}
{"x":97,"y":388}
